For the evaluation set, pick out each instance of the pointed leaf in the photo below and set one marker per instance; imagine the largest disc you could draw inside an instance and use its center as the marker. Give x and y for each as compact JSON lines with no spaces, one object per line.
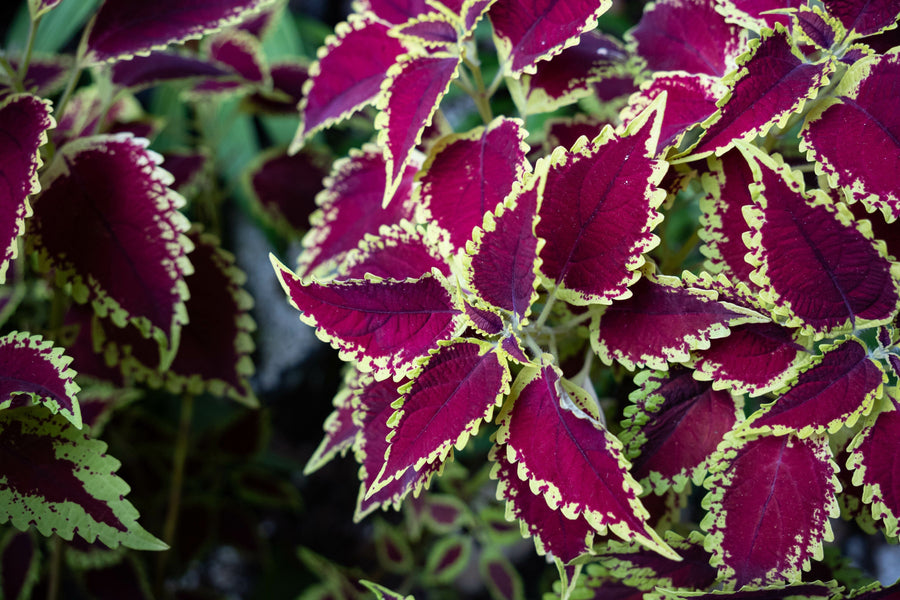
{"x":769,"y":503}
{"x":121,"y":29}
{"x":873,"y":461}
{"x":772,"y":82}
{"x":47,"y":75}
{"x":34,"y":372}
{"x":635,"y":565}
{"x":60,"y":481}
{"x":586,"y":474}
{"x":432,"y":30}
{"x":864,"y":17}
{"x":159,"y":67}
{"x":448,"y":558}
{"x":666,"y":37}
{"x":528,"y":32}
{"x":242,"y":53}
{"x":384,"y":325}
{"x":110,"y":190}
{"x":759,"y":14}
{"x":443,"y":406}
{"x":340,"y":429}
{"x":400,"y":251}
{"x":674,"y":427}
{"x":411,"y":93}
{"x":501,"y":577}
{"x":492,"y":157}
{"x":815,"y":265}
{"x":394,"y":12}
{"x":860,"y":104}
{"x":832,"y":392}
{"x":24,"y":121}
{"x":609,"y":180}
{"x":661,"y":323}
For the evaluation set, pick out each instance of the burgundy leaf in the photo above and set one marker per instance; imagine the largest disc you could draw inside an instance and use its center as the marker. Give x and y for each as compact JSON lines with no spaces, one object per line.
{"x":288,"y":82}
{"x":648,"y":570}
{"x":109,"y":189}
{"x":586,"y":474}
{"x":340,"y":432}
{"x":24,"y":121}
{"x":34,"y":372}
{"x":383,"y":325}
{"x":864,"y":17}
{"x":159,"y":67}
{"x":46,"y":75}
{"x":350,"y":207}
{"x":817,"y":27}
{"x":242,"y":53}
{"x":394,"y":12}
{"x":553,"y":532}
{"x":492,"y":157}
{"x":486,"y":320}
{"x":565,"y":131}
{"x":285,"y":186}
{"x":674,"y":427}
{"x":866,"y":102}
{"x":121,"y":29}
{"x":818,"y":268}
{"x":501,"y":577}
{"x":778,"y":591}
{"x":447,"y":558}
{"x":20,"y":564}
{"x":772,"y":82}
{"x":449,"y":396}
{"x":399,"y":251}
{"x":833,"y":392}
{"x":873,"y":462}
{"x":526,"y":32}
{"x":348,"y":74}
{"x":503,"y":256}
{"x":661,"y":323}
{"x":188,"y":169}
{"x":432,"y":30}
{"x":411,"y":94}
{"x":769,"y":503}
{"x":666,"y":37}
{"x":609,"y":180}
{"x":759,"y":14}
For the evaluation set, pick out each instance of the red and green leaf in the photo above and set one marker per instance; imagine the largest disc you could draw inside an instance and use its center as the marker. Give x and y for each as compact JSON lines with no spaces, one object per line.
{"x":612,"y":179}
{"x":242,"y":53}
{"x":874,"y":463}
{"x":159,"y":67}
{"x":769,"y":503}
{"x":832,"y":392}
{"x":816,"y":266}
{"x":444,"y":405}
{"x":24,"y":121}
{"x":448,"y":558}
{"x":759,"y":14}
{"x":864,"y":102}
{"x":398,"y":252}
{"x":673,"y":427}
{"x":121,"y":29}
{"x":384,"y":325}
{"x":110,"y":190}
{"x":586,"y":474}
{"x":341,"y":430}
{"x":60,"y":481}
{"x":864,"y":17}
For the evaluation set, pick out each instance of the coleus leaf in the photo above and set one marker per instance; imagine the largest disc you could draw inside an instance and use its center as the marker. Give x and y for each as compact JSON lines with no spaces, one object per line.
{"x":158,"y":67}
{"x":528,"y":32}
{"x":565,"y":131}
{"x":587,"y":474}
{"x":34,"y":372}
{"x":288,"y":81}
{"x":383,"y":324}
{"x":812,"y":24}
{"x":411,"y":93}
{"x":188,"y":169}
{"x":350,"y":207}
{"x":864,"y":17}
{"x":873,"y":462}
{"x":832,"y":392}
{"x":492,"y":157}
{"x":609,"y":180}
{"x":501,"y":577}
{"x":673,"y":427}
{"x":503,"y":256}
{"x":109,"y":189}
{"x":121,"y":29}
{"x":432,"y":30}
{"x":797,"y":591}
{"x":46,"y":75}
{"x":444,"y":404}
{"x":772,"y":82}
{"x":815,"y":265}
{"x":347,"y":75}
{"x":340,"y":429}
{"x":20,"y":564}
{"x":393,"y":12}
{"x":383,"y":593}
{"x":666,"y":37}
{"x":758,"y":14}
{"x":553,"y":532}
{"x":769,"y":502}
{"x":447,"y":558}
{"x":60,"y":481}
{"x":398,"y":252}
{"x":24,"y":121}
{"x":861,"y":103}
{"x":242,"y":53}
{"x":662,"y":322}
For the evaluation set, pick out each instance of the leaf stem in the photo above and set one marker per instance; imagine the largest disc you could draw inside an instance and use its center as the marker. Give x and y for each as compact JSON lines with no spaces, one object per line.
{"x":673,"y":261}
{"x":29,"y":48}
{"x":14,"y":79}
{"x":545,"y":312}
{"x":67,"y":93}
{"x":55,"y":563}
{"x":480,"y":94}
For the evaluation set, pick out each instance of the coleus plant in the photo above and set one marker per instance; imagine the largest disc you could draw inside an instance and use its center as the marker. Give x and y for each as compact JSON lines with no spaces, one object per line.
{"x":471,"y":278}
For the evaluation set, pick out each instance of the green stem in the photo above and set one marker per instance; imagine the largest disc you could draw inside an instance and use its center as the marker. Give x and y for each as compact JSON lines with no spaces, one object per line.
{"x":55,"y":564}
{"x":545,"y":313}
{"x":14,"y":79}
{"x":67,"y":93}
{"x":673,"y":261}
{"x":480,"y":95}
{"x":29,"y":47}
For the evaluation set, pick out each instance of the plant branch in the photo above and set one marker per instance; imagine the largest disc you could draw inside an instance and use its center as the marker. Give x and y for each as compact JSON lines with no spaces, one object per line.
{"x":29,"y":48}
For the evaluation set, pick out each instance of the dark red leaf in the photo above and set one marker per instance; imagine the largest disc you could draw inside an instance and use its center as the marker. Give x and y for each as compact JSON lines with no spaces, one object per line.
{"x":874,"y":463}
{"x":159,"y":67}
{"x":286,"y":185}
{"x":864,"y":17}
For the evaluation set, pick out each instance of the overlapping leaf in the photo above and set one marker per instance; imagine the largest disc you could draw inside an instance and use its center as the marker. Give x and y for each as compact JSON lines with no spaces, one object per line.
{"x":758,"y":14}
{"x":864,"y":17}
{"x":398,"y":252}
{"x":24,"y":121}
{"x":674,"y":426}
{"x":598,"y":205}
{"x":59,"y":481}
{"x":443,"y":406}
{"x":832,"y":392}
{"x":873,"y":460}
{"x":109,"y":190}
{"x":394,"y":12}
{"x":866,"y":102}
{"x":773,"y":81}
{"x":528,"y":32}
{"x":121,"y":29}
{"x":340,"y":429}
{"x":586,"y":474}
{"x":467,"y":175}
{"x":384,"y":325}
{"x":158,"y":67}
{"x":242,"y":53}
{"x":769,"y":503}
{"x":815,"y":264}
